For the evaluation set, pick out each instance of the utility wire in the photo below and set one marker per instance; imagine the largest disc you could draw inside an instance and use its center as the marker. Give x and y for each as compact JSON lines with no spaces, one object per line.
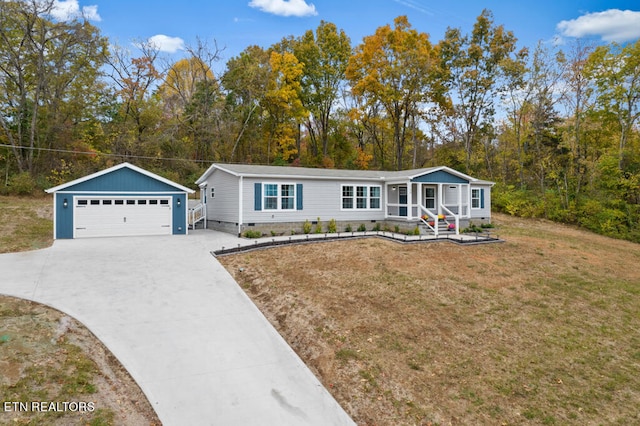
{"x":68,"y":151}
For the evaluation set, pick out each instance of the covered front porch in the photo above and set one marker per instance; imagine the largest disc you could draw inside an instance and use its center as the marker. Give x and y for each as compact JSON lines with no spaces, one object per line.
{"x":437,"y":201}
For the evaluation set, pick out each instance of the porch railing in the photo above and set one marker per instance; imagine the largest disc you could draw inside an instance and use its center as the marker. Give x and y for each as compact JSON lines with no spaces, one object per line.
{"x":432,"y":216}
{"x":455,"y":216}
{"x":196,"y":214}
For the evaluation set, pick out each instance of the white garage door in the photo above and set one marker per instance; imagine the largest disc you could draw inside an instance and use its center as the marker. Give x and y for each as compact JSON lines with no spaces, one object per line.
{"x":116,"y":217}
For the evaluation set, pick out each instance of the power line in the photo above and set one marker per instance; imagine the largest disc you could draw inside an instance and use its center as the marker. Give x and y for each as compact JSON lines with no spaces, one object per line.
{"x":68,"y":151}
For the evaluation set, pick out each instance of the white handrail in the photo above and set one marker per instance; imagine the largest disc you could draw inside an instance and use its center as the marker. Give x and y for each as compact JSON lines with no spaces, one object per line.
{"x":432,"y":216}
{"x":456,"y":217}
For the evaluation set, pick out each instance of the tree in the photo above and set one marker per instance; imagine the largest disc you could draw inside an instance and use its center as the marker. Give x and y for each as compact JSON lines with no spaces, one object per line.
{"x":49,"y":73}
{"x":473,"y":67}
{"x":245,"y":80}
{"x":395,"y":68}
{"x":325,"y":55}
{"x":283,"y":104}
{"x":616,"y":72}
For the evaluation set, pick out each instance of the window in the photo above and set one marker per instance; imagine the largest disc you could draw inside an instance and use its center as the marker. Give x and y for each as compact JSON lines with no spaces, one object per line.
{"x":119,"y":202}
{"x":374,"y":197}
{"x":347,"y":197}
{"x":279,"y":196}
{"x":142,"y":202}
{"x":430,"y":198}
{"x":106,"y":202}
{"x":287,"y":197}
{"x":361,"y":197}
{"x":213,"y":192}
{"x":154,"y":202}
{"x":164,"y":202}
{"x":475,"y":198}
{"x":82,"y":202}
{"x":94,"y":202}
{"x":131,"y":202}
{"x":270,"y":196}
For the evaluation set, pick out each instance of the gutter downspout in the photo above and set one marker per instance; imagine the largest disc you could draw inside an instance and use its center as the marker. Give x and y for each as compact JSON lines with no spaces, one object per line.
{"x":240,"y":207}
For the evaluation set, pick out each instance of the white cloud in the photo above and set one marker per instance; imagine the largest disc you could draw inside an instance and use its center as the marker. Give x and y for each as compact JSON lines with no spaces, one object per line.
{"x":285,"y":7}
{"x":167,"y":44}
{"x":610,"y":25}
{"x":67,"y":10}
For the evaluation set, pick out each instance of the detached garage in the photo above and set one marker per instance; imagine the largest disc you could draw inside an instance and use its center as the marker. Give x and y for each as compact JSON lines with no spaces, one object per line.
{"x":123,"y":200}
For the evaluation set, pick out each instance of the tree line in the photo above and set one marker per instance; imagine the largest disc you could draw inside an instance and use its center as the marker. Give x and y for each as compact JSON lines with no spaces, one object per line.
{"x":555,"y":128}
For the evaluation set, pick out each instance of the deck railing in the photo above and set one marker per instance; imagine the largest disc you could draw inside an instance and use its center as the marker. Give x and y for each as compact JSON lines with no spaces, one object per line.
{"x":196,"y":214}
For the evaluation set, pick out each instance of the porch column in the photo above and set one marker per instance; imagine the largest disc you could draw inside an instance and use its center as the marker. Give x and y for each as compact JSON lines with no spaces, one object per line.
{"x":439,"y":198}
{"x":420,"y":198}
{"x":459,"y":199}
{"x":409,"y":200}
{"x":386,"y":200}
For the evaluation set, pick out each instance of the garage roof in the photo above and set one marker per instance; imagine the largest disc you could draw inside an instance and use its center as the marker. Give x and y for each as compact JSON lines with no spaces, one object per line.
{"x":115,"y":168}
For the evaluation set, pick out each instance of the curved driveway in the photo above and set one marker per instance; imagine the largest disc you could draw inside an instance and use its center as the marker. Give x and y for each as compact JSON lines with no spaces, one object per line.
{"x":198,"y":347}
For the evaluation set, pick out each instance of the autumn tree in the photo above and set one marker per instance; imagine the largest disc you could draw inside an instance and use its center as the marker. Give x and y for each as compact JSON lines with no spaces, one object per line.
{"x":245,"y":81}
{"x":134,"y":78}
{"x":284,"y":106}
{"x":473,"y":65}
{"x":616,"y":73}
{"x":49,"y":79}
{"x":395,"y":67}
{"x":325,"y":55}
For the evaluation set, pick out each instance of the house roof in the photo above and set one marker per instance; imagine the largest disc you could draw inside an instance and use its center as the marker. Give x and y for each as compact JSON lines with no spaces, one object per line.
{"x":113,"y":169}
{"x":250,"y":170}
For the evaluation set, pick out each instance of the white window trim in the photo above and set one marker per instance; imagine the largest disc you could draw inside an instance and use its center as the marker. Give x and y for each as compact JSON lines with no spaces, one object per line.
{"x":279,"y":196}
{"x":479,"y":198}
{"x":355,"y":197}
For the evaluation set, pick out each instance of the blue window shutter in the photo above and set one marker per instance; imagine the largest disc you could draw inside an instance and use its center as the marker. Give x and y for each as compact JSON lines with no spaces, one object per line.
{"x":257,"y":200}
{"x":299,"y":196}
{"x":482,"y":198}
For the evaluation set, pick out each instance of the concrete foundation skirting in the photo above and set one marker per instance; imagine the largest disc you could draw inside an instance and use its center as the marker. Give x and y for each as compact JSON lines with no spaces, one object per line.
{"x":296,"y":228}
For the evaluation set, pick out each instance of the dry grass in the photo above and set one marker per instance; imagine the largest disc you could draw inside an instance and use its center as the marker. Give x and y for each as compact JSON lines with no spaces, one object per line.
{"x":542,"y":329}
{"x":26,"y":223}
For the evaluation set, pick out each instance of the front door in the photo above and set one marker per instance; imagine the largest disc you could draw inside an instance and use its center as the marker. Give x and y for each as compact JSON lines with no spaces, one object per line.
{"x":403,"y":200}
{"x":430,"y":197}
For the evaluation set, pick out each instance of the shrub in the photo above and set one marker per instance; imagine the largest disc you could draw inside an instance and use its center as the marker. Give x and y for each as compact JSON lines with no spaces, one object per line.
{"x":396,"y":229}
{"x":416,"y":230}
{"x":362,"y":228}
{"x":22,"y":184}
{"x":318,"y":228}
{"x":376,"y":227}
{"x":251,"y":233}
{"x":332,"y":228}
{"x":348,"y":228}
{"x":306,"y":227}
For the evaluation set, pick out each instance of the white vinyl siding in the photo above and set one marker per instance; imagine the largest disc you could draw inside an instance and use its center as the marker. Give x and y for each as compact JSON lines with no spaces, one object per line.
{"x":223,"y":204}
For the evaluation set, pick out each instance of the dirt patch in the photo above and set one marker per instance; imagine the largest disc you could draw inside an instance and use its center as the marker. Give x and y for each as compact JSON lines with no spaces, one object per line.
{"x":48,"y":357}
{"x":541,"y":329}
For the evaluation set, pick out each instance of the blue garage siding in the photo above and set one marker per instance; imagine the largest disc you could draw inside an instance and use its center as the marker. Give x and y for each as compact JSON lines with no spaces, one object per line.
{"x":122,"y":180}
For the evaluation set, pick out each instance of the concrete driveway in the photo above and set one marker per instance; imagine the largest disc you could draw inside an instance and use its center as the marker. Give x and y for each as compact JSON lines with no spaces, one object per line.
{"x":178,"y":322}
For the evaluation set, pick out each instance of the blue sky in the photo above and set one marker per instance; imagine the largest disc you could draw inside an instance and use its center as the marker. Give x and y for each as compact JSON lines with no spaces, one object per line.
{"x":236,"y":24}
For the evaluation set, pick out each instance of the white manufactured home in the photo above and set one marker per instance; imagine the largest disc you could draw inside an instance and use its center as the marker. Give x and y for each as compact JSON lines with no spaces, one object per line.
{"x":236,"y":198}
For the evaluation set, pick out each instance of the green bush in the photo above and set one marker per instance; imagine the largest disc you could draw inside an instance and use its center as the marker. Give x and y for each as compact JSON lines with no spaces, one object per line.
{"x":318,"y":228}
{"x":22,"y":184}
{"x":362,"y":228}
{"x":348,"y":228}
{"x":376,"y":227}
{"x":251,"y":233}
{"x":306,"y":227}
{"x":332,"y":228}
